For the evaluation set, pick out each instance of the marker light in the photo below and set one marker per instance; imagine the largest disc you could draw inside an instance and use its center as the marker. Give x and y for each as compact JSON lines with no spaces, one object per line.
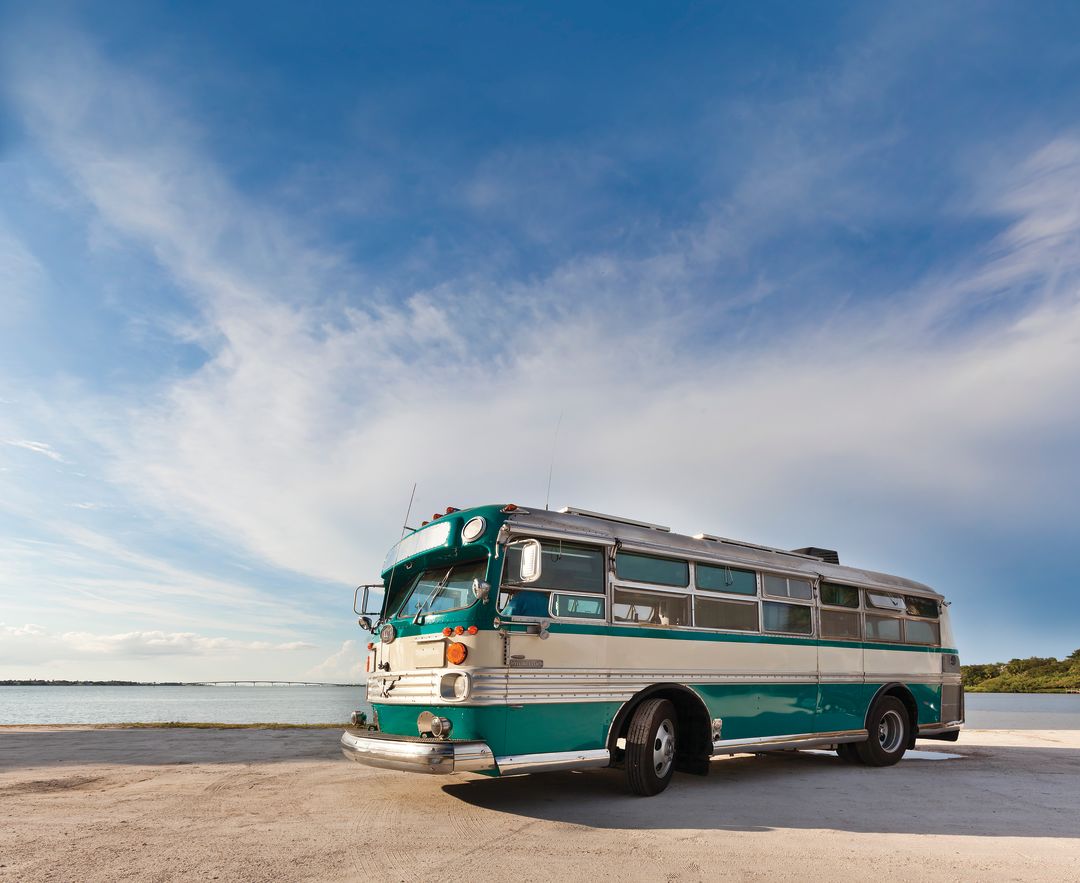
{"x":472,"y":630}
{"x":473,"y":529}
{"x":460,"y":630}
{"x":448,"y":631}
{"x":456,"y":653}
{"x":370,"y":646}
{"x":450,"y":510}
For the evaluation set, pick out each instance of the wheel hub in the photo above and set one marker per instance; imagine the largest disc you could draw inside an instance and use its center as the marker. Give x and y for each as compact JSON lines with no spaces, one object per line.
{"x":664,"y":748}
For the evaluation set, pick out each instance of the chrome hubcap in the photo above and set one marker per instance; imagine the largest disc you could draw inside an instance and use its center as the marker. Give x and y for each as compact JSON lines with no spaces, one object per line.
{"x":663,"y":754}
{"x":890,"y":731}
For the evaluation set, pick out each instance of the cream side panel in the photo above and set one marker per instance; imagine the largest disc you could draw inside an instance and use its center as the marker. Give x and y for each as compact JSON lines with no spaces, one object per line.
{"x":902,"y":665}
{"x":839,"y":664}
{"x":730,"y":657}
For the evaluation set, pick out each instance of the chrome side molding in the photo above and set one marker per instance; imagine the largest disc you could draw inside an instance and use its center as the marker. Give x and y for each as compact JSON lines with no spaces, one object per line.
{"x":782,"y":743}
{"x":556,"y":760}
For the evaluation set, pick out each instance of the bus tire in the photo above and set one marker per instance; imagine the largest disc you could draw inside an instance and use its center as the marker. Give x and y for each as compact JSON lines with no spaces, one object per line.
{"x":848,"y":752}
{"x":889,"y":729}
{"x":650,"y":747}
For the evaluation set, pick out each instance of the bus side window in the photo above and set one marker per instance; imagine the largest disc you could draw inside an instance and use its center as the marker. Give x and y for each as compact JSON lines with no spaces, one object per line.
{"x":565,"y":567}
{"x":577,"y":606}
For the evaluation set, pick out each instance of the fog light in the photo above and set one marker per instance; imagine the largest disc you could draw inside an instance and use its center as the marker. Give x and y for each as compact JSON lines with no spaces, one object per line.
{"x":433,"y":725}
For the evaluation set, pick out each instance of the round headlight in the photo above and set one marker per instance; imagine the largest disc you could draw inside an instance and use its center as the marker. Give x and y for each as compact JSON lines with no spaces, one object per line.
{"x":473,"y":529}
{"x":388,"y":633}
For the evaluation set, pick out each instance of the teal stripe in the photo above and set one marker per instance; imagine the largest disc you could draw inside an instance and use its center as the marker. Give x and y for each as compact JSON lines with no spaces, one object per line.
{"x":574,"y":628}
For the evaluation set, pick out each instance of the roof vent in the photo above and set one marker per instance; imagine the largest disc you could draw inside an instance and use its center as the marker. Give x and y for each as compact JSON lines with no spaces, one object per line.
{"x":829,"y":556}
{"x":570,"y":510}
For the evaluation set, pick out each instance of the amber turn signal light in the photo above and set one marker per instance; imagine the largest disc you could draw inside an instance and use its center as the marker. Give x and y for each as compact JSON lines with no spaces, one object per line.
{"x":456,"y":653}
{"x":472,"y":630}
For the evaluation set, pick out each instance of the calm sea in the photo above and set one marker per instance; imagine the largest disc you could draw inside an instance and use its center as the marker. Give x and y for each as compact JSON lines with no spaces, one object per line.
{"x":227,"y":705}
{"x":331,"y":705}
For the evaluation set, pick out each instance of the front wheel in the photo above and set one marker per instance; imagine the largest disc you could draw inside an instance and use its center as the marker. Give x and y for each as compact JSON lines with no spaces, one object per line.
{"x":889,"y":733}
{"x":848,"y":752}
{"x":650,"y":747}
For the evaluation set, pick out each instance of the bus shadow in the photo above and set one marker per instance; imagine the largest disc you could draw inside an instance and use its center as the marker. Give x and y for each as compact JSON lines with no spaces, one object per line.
{"x":996,"y":792}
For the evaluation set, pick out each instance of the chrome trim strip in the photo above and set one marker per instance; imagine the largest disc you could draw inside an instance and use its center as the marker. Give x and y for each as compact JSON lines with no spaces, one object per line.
{"x":428,"y":756}
{"x":498,"y":686}
{"x":557,"y":760}
{"x":780,"y":743}
{"x":934,"y":729}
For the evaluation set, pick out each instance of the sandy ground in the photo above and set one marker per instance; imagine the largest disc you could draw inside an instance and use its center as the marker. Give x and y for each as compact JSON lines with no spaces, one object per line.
{"x":79,"y":804}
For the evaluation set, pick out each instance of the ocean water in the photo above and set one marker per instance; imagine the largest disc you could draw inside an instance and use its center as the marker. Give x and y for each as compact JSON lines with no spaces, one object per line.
{"x":1022,"y":711}
{"x":228,"y":705}
{"x":332,"y":705}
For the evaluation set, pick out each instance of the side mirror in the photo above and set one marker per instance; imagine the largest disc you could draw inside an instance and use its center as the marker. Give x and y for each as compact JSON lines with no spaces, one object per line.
{"x":481,"y":589}
{"x":531,"y":564}
{"x":360,"y":605}
{"x":365,"y":623}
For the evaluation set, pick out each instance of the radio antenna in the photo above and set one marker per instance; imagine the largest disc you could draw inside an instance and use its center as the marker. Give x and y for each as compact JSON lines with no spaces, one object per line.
{"x":404,"y":527}
{"x":551,"y":466}
{"x":408,"y":512}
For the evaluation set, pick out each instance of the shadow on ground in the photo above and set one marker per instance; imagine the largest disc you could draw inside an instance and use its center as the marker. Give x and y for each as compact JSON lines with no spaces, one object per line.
{"x":1030,"y":792}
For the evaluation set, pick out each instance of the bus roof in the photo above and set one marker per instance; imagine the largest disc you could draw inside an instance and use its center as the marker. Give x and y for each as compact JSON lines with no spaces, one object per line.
{"x":642,"y":536}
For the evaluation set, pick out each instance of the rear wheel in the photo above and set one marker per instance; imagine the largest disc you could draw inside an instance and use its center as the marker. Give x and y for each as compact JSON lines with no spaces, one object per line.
{"x":889,"y":730}
{"x":650,"y":747}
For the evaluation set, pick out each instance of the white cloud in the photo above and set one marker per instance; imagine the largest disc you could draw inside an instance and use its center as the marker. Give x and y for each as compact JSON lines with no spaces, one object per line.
{"x":35,"y":643}
{"x":35,"y":446}
{"x":344,"y":666}
{"x":303,"y":431}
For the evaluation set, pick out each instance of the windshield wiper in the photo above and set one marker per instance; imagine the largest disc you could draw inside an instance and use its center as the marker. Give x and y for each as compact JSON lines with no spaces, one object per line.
{"x":439,"y":586}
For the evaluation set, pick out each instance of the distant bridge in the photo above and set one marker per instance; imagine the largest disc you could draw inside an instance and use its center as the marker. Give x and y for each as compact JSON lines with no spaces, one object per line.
{"x":249,"y":683}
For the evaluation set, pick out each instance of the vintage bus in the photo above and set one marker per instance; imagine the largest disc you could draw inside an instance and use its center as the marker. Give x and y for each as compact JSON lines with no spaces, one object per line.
{"x":512,"y":640}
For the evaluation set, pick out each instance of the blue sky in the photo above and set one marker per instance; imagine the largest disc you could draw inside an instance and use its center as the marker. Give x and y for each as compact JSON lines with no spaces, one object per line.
{"x":802,"y":274}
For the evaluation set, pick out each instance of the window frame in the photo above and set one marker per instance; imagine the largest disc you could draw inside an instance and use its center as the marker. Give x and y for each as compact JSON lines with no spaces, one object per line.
{"x":589,"y":596}
{"x":756,"y":574}
{"x":771,"y":599}
{"x":809,"y":580}
{"x":648,"y":589}
{"x":587,"y":542}
{"x":618,"y":579}
{"x":875,"y":640}
{"x":743,"y":600}
{"x":857,"y":611}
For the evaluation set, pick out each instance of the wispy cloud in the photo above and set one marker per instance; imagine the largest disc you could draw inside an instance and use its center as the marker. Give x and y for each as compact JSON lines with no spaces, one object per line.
{"x":21,"y":642}
{"x":325,"y":391}
{"x":35,"y":446}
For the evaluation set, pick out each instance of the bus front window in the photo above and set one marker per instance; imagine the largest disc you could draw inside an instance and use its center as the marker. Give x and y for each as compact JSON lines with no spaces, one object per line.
{"x":443,"y":588}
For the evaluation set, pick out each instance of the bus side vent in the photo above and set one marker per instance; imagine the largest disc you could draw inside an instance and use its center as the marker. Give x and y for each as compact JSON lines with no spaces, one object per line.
{"x":829,"y":556}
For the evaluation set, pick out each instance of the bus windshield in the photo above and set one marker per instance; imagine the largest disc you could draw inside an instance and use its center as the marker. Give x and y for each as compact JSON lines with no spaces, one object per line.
{"x":442,"y":588}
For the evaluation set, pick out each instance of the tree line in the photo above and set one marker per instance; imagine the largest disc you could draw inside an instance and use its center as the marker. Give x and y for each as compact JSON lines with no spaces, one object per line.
{"x":1036,"y":674}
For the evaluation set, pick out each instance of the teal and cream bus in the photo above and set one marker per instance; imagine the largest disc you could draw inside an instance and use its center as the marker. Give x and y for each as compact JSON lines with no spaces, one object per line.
{"x":512,"y":640}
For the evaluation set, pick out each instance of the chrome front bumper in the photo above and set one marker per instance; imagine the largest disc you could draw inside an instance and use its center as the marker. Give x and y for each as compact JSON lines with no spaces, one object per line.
{"x":417,"y":755}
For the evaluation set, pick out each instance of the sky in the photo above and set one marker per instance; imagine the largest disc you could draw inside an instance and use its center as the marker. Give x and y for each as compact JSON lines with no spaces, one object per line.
{"x":802,"y":274}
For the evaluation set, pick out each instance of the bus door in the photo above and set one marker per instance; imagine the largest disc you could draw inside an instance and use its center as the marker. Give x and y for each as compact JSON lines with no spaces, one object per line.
{"x":550,"y":625}
{"x":842,"y":695}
